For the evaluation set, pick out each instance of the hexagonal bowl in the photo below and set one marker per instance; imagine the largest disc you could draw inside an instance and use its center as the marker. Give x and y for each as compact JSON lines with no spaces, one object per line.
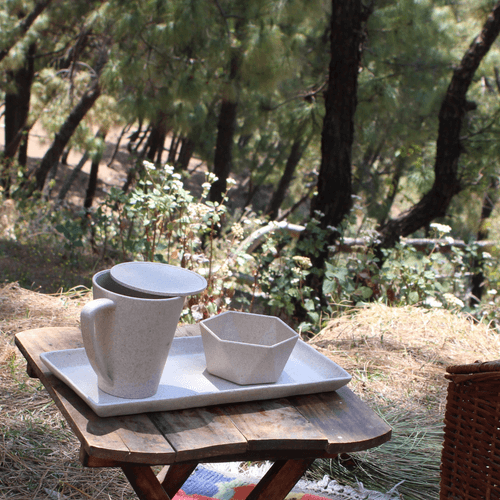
{"x":247,"y":348}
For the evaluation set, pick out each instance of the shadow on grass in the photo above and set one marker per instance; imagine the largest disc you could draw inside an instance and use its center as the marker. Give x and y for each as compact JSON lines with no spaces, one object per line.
{"x":45,"y":268}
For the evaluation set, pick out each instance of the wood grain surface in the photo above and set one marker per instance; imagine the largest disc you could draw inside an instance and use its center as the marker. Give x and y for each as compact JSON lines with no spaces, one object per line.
{"x":308,"y":426}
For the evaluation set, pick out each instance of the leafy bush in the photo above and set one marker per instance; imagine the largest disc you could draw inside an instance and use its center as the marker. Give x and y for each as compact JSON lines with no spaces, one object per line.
{"x":159,"y":220}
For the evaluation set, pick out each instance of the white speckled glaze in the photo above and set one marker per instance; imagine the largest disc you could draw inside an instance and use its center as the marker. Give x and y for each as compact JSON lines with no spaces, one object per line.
{"x":158,"y":278}
{"x":127,"y":337}
{"x":186,"y":383}
{"x":247,"y":348}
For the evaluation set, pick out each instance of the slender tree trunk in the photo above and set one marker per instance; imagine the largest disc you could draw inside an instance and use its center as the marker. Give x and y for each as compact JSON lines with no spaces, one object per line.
{"x":293,"y":160}
{"x":72,"y":177}
{"x":64,"y":135}
{"x":68,"y":128}
{"x":64,"y":156}
{"x":94,"y":170}
{"x":174,"y":146}
{"x":17,"y":106}
{"x":226,"y":128}
{"x":155,"y":142}
{"x":156,"y":138}
{"x":137,"y":169}
{"x":185,"y":154}
{"x":23,"y":26}
{"x":223,"y":158}
{"x":489,"y":201}
{"x":133,"y":137}
{"x":161,"y":147}
{"x":363,"y":175}
{"x":446,"y":185}
{"x":393,"y":190}
{"x":25,"y":102}
{"x":118,"y":142}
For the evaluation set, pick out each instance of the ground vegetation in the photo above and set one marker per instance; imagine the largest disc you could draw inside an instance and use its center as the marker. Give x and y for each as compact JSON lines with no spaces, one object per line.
{"x":372,"y":120}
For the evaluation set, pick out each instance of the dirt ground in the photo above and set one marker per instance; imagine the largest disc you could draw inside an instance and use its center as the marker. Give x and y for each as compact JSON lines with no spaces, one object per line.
{"x":48,"y":269}
{"x":111,"y":173}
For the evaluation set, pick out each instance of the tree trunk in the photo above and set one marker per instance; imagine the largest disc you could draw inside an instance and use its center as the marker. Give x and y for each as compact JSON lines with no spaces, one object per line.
{"x":64,"y":135}
{"x":223,"y":158}
{"x":185,"y":154}
{"x":449,"y":147}
{"x":24,"y":26}
{"x":334,"y":188}
{"x":226,"y":128}
{"x":71,"y":178}
{"x":489,"y":202}
{"x":68,"y":128}
{"x":131,"y":148}
{"x":17,"y":106}
{"x":155,"y":142}
{"x":293,"y":160}
{"x":136,"y":170}
{"x":393,"y":190}
{"x":156,"y":139}
{"x":94,"y":170}
{"x":362,"y":177}
{"x":125,"y":129}
{"x":172,"y":152}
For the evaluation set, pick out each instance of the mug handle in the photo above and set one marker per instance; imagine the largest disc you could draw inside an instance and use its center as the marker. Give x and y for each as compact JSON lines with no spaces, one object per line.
{"x":88,"y":317}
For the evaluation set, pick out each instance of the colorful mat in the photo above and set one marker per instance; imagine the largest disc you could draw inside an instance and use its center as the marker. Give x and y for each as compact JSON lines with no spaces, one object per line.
{"x":206,"y":484}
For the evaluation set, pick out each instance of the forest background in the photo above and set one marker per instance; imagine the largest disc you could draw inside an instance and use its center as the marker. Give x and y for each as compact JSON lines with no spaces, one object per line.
{"x":328,"y":132}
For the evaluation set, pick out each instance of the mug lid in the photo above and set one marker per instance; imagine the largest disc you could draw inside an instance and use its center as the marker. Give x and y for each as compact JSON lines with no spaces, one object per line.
{"x":158,"y":279}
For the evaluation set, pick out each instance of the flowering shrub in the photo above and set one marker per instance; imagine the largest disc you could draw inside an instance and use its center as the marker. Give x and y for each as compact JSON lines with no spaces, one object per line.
{"x":159,"y":220}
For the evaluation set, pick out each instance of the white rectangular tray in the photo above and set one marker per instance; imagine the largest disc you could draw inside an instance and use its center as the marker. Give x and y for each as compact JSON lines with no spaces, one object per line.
{"x":185,"y":382}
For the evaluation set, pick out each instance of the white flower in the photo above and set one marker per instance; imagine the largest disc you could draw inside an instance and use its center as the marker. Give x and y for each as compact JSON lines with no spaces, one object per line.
{"x":168,"y":169}
{"x":197,"y":315}
{"x":149,"y":165}
{"x":231,"y":181}
{"x":177,"y":176}
{"x":432,"y":302}
{"x":486,"y":255}
{"x":492,"y":292}
{"x":441,"y":228}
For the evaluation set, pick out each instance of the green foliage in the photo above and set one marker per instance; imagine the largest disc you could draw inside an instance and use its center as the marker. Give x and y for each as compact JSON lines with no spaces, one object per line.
{"x":73,"y":233}
{"x":172,"y":59}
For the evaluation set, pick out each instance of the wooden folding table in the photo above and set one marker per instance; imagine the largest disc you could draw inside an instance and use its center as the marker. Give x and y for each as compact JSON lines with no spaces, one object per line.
{"x":291,"y":432}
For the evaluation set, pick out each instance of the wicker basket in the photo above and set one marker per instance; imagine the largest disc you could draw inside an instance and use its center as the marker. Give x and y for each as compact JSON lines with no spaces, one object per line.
{"x":470,"y":463}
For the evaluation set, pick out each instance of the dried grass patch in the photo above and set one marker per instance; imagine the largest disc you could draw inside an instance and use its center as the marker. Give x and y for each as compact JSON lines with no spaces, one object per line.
{"x":38,"y":452}
{"x":399,"y":355}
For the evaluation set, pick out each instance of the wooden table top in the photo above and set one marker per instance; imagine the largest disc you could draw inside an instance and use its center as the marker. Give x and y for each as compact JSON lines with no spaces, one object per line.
{"x":318,"y":425}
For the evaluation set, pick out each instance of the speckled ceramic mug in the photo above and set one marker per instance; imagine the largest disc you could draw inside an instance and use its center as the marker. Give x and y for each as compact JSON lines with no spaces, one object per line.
{"x":127,"y":336}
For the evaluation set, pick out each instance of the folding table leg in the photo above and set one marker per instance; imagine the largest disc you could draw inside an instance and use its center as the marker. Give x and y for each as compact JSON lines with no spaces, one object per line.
{"x":280,"y":479}
{"x":172,"y":477}
{"x":143,"y":480}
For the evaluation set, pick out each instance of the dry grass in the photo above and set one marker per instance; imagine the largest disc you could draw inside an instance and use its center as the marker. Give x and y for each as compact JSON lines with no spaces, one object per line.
{"x":397,"y":358}
{"x":38,"y":452}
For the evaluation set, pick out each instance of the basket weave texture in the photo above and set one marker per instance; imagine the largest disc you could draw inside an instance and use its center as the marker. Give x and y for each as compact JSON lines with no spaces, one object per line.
{"x":470,"y":462}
